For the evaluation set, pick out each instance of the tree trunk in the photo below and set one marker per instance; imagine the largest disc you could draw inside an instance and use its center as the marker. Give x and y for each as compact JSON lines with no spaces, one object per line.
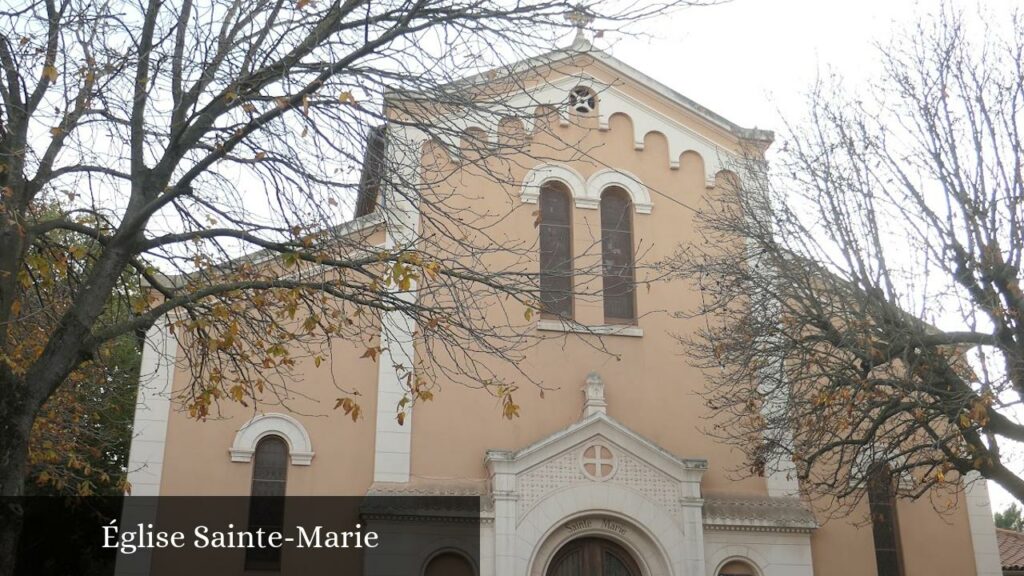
{"x":15,"y":426}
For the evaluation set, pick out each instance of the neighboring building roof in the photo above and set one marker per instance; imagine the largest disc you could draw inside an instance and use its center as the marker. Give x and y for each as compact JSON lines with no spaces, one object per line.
{"x":1011,"y":548}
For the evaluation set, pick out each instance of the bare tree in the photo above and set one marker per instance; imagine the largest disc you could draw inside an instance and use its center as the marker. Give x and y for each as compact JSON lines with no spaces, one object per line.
{"x":863,"y":299}
{"x":218,"y":151}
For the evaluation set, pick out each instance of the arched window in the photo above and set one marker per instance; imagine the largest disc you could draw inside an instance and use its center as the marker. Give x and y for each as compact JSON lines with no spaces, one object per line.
{"x":736,"y":568}
{"x":884,"y":526}
{"x":266,"y":504}
{"x":555,"y":251}
{"x":617,"y":256}
{"x":449,"y":564}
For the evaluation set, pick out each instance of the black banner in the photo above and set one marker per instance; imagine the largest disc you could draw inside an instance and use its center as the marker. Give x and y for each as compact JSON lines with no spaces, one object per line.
{"x":198,"y":536}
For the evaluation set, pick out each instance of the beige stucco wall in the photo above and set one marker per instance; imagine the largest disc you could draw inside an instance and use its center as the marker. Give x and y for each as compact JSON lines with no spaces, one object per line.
{"x":196,"y":459}
{"x":932,"y":542}
{"x":649,"y":386}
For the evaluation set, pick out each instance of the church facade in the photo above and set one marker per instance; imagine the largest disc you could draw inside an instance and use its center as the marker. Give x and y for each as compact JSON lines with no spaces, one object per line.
{"x":609,"y":472}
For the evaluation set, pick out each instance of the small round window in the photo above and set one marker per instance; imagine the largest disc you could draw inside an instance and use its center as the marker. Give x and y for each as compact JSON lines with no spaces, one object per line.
{"x":582,"y":100}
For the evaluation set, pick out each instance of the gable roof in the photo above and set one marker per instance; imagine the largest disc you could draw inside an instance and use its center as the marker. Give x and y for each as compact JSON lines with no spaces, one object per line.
{"x":583,"y":48}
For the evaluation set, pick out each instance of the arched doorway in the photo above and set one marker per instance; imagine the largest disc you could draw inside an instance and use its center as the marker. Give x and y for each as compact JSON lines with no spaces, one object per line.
{"x":593,"y":557}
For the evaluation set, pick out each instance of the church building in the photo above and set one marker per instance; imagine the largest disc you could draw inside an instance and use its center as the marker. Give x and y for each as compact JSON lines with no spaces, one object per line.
{"x":609,"y":472}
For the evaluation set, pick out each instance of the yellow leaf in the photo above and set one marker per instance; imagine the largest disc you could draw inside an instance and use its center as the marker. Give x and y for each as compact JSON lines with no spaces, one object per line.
{"x":317,"y":360}
{"x":310,"y":324}
{"x":510,"y":409}
{"x":401,"y":418}
{"x":346,"y":97}
{"x":50,"y":72}
{"x":528,"y":314}
{"x":431,"y":269}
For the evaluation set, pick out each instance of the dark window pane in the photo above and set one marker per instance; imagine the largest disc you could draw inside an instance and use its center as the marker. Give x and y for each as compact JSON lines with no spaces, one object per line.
{"x":617,"y":256}
{"x":556,"y":283}
{"x":884,"y":527}
{"x":266,"y":504}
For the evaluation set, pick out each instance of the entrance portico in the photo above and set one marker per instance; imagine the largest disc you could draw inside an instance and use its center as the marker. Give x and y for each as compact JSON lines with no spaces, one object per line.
{"x":600,"y":498}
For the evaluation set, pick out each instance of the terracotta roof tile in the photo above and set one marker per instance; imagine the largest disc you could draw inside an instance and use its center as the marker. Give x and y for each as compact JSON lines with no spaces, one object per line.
{"x":1011,"y":548}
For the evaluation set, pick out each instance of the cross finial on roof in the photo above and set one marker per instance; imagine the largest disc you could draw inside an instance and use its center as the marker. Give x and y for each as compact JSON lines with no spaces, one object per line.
{"x":593,"y":393}
{"x":579,"y":17}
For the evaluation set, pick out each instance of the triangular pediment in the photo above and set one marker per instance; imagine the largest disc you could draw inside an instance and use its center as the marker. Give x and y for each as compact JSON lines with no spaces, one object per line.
{"x":598,"y":427}
{"x":621,"y":90}
{"x":582,"y":60}
{"x":595,"y":450}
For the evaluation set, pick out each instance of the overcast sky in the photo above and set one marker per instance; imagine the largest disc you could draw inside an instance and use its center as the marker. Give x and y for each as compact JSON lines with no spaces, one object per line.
{"x":752,"y":60}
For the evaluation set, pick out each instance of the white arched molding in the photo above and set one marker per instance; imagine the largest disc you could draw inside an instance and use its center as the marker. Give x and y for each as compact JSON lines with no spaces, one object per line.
{"x":586,"y":193}
{"x":602,"y":179}
{"x":736,"y":553}
{"x":300,"y":448}
{"x":611,"y":100}
{"x":653,"y":537}
{"x":536,"y":178}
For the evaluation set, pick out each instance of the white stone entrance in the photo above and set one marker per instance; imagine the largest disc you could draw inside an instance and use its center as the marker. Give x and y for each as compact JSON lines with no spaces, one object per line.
{"x":597,"y":478}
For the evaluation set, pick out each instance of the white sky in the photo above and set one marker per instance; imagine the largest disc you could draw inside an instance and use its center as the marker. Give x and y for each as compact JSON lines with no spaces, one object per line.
{"x":752,"y":60}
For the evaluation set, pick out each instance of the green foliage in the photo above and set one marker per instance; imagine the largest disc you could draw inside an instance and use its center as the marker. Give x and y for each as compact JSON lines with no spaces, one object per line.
{"x":1010,"y":518}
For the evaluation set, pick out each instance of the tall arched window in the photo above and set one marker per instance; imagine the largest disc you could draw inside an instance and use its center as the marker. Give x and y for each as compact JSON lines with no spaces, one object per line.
{"x":617,"y":256}
{"x":266,"y":504}
{"x":555,"y":251}
{"x":884,"y":525}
